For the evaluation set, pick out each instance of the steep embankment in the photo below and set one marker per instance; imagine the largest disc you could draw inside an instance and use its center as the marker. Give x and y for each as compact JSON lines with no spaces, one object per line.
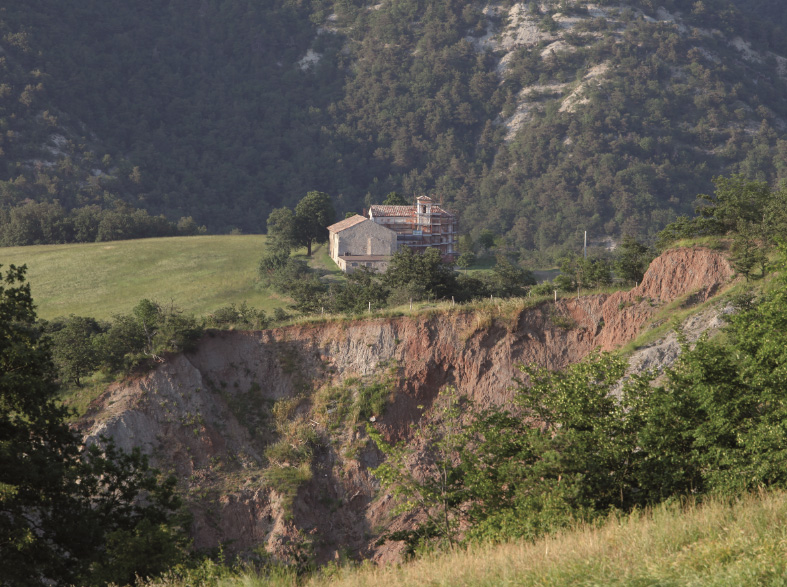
{"x":266,"y":430}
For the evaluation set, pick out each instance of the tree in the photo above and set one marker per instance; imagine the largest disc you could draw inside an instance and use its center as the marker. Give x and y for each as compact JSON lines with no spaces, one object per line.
{"x":60,"y":508}
{"x":74,"y":346}
{"x":273,"y":259}
{"x":121,"y":344}
{"x":735,"y":199}
{"x":420,"y":272}
{"x":577,"y":271}
{"x":746,"y":254}
{"x":437,"y":488}
{"x":775,"y":216}
{"x":313,"y":214}
{"x":465,"y":260}
{"x":466,"y":244}
{"x":509,"y":279}
{"x":486,"y":239}
{"x":363,"y":287}
{"x":282,"y":228}
{"x":394,"y":199}
{"x":632,"y":259}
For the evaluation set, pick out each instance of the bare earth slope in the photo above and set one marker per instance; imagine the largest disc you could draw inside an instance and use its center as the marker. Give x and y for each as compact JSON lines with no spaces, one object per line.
{"x":210,"y":415}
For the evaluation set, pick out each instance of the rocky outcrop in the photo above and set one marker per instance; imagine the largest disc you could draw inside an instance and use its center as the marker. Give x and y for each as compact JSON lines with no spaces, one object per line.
{"x":209,"y":415}
{"x":690,"y":274}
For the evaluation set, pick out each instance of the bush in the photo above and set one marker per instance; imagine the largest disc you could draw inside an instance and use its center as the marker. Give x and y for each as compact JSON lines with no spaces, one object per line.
{"x":242,"y":316}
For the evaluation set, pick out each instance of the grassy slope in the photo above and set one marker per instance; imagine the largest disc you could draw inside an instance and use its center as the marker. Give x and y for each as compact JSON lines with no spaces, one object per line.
{"x":199,"y":274}
{"x":730,"y":544}
{"x":717,"y":544}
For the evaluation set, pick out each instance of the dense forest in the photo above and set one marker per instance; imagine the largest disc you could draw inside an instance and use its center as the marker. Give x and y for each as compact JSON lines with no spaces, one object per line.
{"x":536,"y":122}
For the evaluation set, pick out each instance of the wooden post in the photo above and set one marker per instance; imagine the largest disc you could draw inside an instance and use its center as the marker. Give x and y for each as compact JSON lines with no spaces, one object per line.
{"x":370,"y":307}
{"x":411,"y":303}
{"x":556,"y":296}
{"x":453,"y":303}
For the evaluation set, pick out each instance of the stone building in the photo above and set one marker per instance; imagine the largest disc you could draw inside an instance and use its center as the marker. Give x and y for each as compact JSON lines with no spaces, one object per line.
{"x":359,"y":242}
{"x":421,"y":226}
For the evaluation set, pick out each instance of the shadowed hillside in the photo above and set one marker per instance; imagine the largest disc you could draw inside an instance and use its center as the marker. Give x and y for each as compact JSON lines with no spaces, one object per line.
{"x":536,"y":122}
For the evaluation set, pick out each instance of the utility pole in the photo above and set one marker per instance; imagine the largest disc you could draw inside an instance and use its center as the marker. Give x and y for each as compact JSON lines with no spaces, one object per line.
{"x":586,"y":244}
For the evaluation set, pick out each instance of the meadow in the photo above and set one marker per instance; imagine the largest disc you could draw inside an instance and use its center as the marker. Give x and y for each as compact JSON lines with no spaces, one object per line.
{"x":197,"y":273}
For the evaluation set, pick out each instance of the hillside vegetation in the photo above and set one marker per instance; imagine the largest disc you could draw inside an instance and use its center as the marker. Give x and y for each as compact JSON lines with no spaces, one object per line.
{"x":534,"y":121}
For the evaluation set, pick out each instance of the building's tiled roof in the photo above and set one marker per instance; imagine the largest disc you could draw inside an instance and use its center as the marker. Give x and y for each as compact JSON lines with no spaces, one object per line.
{"x":381,"y":210}
{"x":346,"y":223}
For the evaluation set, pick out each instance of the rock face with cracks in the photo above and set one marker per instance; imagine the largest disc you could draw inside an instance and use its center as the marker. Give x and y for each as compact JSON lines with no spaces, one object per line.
{"x":212,"y":416}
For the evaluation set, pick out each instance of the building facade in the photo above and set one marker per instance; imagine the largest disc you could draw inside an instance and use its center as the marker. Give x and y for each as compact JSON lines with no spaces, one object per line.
{"x":359,"y":242}
{"x":421,"y":226}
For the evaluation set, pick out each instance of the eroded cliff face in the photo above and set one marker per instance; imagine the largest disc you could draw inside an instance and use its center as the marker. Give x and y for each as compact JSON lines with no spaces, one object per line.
{"x":211,"y":415}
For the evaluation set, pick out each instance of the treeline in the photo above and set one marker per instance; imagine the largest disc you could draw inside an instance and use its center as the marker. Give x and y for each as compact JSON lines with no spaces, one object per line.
{"x":44,"y":223}
{"x":751,"y":213}
{"x":225,"y":122}
{"x":580,"y":444}
{"x":83,"y":345}
{"x":410,"y":277}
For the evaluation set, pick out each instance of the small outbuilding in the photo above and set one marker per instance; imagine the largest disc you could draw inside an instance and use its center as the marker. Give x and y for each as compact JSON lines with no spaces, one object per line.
{"x":360,"y":242}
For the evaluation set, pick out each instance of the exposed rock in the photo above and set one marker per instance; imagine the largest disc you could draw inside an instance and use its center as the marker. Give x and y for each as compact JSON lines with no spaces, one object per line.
{"x":206,"y":415}
{"x":695,"y":272}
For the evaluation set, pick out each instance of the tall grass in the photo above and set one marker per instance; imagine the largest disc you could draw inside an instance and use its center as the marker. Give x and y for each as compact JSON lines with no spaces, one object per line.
{"x":743,"y":543}
{"x":722,"y":543}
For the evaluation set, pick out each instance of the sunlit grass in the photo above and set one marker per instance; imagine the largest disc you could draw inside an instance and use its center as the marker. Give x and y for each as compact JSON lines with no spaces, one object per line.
{"x":722,"y":542}
{"x":198,"y":273}
{"x":715,"y":544}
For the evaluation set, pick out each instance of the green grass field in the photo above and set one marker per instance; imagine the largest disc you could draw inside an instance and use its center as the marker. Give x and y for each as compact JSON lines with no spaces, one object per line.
{"x":198,"y":273}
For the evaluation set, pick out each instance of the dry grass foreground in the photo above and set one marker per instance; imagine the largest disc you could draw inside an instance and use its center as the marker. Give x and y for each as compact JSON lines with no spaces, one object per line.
{"x":718,"y":543}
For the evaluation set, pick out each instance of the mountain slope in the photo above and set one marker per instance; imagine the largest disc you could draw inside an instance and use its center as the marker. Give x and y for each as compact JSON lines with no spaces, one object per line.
{"x":537,"y":122}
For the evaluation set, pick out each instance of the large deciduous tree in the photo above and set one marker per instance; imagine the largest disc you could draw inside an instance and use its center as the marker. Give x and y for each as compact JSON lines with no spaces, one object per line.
{"x":395,"y":199}
{"x":282,"y":228}
{"x":313,"y":214}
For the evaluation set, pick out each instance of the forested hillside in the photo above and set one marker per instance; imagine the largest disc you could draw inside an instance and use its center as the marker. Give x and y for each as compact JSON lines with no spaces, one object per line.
{"x":537,"y":121}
